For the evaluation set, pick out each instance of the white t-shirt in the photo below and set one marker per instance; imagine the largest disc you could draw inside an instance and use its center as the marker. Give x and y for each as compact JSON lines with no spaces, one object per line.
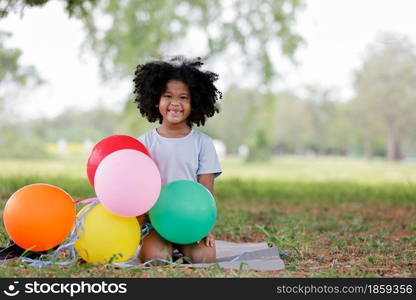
{"x":182,"y":158}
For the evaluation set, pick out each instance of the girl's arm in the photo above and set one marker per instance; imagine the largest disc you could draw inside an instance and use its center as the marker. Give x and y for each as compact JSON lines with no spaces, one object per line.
{"x":207,"y":180}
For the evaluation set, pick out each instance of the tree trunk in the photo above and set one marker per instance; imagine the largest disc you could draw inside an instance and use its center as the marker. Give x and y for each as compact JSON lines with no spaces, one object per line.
{"x":394,"y":145}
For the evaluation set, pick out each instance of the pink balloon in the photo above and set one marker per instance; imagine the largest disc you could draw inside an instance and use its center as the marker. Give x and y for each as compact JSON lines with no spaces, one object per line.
{"x":127,"y":182}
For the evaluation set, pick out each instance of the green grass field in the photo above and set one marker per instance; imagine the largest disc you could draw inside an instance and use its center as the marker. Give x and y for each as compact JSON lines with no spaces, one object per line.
{"x":337,"y":217}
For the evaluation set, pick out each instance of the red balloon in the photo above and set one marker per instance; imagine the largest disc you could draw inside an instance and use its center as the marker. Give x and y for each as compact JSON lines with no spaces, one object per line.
{"x":109,"y":145}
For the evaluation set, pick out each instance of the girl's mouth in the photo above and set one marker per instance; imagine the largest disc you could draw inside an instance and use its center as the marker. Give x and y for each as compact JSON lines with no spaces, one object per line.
{"x":175,"y":112}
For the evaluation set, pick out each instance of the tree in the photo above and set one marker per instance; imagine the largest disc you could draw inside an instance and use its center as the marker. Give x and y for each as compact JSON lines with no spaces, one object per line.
{"x":234,"y":124}
{"x":141,"y":30}
{"x":13,"y":76}
{"x":131,"y":122}
{"x":368,"y":130}
{"x":77,"y":125}
{"x":80,"y":8}
{"x":130,"y":32}
{"x":326,"y":113}
{"x":386,"y":91}
{"x":292,"y":126}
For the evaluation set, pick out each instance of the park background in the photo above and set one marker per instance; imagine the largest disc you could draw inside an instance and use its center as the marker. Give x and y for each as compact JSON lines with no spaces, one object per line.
{"x":316,"y":130}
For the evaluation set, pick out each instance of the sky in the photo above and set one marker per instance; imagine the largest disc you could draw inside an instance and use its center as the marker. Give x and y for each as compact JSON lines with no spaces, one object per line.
{"x":336,"y":32}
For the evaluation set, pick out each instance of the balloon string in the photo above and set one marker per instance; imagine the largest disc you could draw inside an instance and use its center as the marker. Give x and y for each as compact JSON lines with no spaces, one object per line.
{"x":88,"y":200}
{"x":74,"y":236}
{"x":71,"y":239}
{"x":127,"y":264}
{"x":238,"y":257}
{"x":145,"y":230}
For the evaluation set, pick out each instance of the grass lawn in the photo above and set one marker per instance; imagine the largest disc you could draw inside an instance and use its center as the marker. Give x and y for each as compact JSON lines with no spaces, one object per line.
{"x":337,"y":217}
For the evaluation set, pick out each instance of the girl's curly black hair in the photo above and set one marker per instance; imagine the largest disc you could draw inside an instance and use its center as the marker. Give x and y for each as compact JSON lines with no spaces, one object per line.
{"x":150,"y":82}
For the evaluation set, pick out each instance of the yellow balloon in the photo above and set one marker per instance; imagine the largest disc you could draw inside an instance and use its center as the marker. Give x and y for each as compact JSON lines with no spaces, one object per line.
{"x":107,"y":237}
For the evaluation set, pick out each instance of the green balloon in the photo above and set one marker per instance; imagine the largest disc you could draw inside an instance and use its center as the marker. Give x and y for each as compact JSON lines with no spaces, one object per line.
{"x":184,"y":213}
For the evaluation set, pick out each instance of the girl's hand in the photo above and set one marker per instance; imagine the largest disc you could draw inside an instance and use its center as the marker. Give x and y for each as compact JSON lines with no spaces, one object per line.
{"x":210,"y":240}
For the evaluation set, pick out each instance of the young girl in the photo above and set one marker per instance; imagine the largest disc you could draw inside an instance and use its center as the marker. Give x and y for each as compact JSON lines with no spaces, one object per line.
{"x":178,"y":94}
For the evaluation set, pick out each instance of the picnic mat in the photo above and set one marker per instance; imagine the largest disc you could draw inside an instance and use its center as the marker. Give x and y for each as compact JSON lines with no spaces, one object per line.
{"x":248,"y":256}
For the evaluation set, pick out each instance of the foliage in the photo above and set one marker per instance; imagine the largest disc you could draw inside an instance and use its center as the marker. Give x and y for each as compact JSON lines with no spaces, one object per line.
{"x":137,"y":31}
{"x":292,"y":124}
{"x":377,"y":122}
{"x":73,"y":7}
{"x":231,"y":125}
{"x":28,"y":139}
{"x":260,"y":146}
{"x":11,"y":70}
{"x":14,"y":142}
{"x":131,"y":122}
{"x":76,"y":125}
{"x":386,"y":94}
{"x":283,"y":122}
{"x":13,"y":78}
{"x":13,"y":75}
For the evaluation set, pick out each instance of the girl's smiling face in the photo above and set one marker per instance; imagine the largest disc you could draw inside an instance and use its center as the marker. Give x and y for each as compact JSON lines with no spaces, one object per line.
{"x":175,"y":102}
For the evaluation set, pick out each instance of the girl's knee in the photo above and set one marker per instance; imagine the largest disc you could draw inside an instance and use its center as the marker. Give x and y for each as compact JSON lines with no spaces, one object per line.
{"x":149,"y":254}
{"x":154,"y":247}
{"x":203,"y":258}
{"x":201,"y":254}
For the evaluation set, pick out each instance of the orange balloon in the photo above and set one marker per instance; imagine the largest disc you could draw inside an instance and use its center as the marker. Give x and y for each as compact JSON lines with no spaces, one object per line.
{"x":39,"y":216}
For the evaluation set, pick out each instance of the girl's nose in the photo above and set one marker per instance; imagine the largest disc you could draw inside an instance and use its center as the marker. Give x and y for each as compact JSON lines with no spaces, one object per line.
{"x":174,"y":101}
